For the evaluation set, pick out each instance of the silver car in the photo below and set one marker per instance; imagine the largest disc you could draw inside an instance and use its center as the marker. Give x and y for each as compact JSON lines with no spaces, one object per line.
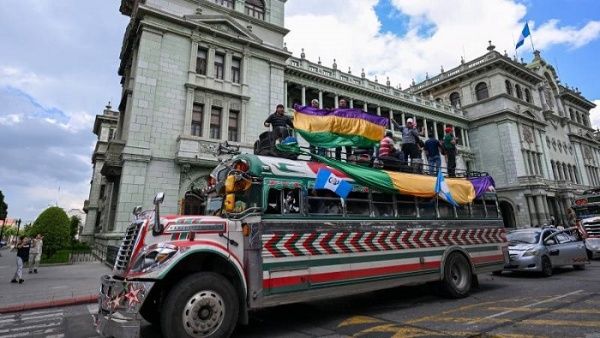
{"x":541,"y":250}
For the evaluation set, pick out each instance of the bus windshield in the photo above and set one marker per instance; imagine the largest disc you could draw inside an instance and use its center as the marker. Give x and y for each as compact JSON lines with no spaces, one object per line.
{"x":214,"y":205}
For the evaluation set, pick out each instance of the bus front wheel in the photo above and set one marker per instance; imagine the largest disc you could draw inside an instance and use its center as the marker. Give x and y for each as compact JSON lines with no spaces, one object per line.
{"x":457,"y":279}
{"x":204,"y":304}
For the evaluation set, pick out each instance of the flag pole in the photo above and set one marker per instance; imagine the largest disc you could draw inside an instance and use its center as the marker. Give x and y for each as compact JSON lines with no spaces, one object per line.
{"x":531,"y":38}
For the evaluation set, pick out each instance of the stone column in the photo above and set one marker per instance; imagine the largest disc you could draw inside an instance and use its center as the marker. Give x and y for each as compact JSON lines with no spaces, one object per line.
{"x":468,"y":143}
{"x":285,"y":94}
{"x":531,"y":210}
{"x":403,"y":119}
{"x":335,"y":101}
{"x":537,"y":202}
{"x":227,"y":67}
{"x":210,"y":63}
{"x":351,"y":103}
{"x":320,"y":99}
{"x":189,"y":107}
{"x":365,"y":106}
{"x":425,"y":126}
{"x":525,"y":162}
{"x":378,"y":111}
{"x":462,"y":137}
{"x":193,"y":57}
{"x":435,"y":130}
{"x":303,"y":96}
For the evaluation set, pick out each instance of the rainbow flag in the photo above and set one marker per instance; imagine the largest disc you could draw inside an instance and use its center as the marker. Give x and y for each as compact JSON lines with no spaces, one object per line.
{"x":339,"y":127}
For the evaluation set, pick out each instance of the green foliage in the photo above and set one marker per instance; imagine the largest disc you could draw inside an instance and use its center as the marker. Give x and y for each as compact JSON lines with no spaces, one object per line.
{"x":53,"y":223}
{"x":3,"y":207}
{"x":74,"y":225}
{"x":59,"y":257}
{"x":80,"y":246}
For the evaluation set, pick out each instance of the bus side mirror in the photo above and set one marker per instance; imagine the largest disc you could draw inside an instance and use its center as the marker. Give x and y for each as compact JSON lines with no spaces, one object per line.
{"x":157,"y":229}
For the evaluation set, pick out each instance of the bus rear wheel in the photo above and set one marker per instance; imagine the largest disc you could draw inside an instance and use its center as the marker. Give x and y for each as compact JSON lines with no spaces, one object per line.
{"x":457,"y":279}
{"x":204,"y":304}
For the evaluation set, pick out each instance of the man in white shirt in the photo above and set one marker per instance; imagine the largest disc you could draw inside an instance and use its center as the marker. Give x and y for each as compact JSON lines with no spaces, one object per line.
{"x":35,"y":253}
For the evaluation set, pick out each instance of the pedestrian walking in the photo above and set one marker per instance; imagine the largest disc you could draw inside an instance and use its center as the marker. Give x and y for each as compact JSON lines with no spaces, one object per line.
{"x":22,"y":248}
{"x":35,"y":253}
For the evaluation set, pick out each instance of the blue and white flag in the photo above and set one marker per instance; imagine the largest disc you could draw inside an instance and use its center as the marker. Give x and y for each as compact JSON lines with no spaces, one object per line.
{"x":442,"y":189}
{"x":525,"y":33}
{"x":326,"y":179}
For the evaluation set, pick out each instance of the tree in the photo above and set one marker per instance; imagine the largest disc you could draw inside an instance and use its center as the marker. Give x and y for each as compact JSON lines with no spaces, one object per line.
{"x":3,"y":213}
{"x":74,"y":226}
{"x":53,"y":223}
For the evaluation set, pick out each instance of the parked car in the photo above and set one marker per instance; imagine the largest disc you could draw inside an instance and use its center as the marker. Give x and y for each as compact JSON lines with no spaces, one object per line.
{"x":541,"y":250}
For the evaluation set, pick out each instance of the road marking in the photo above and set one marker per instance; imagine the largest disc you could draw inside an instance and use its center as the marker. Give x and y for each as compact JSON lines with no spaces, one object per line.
{"x":31,"y":327}
{"x":525,"y":306}
{"x":520,"y":309}
{"x":59,"y":287}
{"x":29,"y":334}
{"x":358,"y":320}
{"x":556,"y":322}
{"x":28,"y":318}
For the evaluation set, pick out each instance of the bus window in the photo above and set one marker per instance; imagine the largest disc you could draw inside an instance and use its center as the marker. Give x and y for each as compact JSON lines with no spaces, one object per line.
{"x":383,"y":205}
{"x":357,"y":203}
{"x":445,"y":209}
{"x":324,"y":202}
{"x":291,"y":201}
{"x":478,"y":208}
{"x":213,"y":206}
{"x":491,"y":208}
{"x":406,"y":206}
{"x":273,"y":202}
{"x":426,"y":207}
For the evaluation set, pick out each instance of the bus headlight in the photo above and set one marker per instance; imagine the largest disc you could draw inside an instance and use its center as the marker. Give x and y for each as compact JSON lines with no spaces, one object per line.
{"x":153,"y":257}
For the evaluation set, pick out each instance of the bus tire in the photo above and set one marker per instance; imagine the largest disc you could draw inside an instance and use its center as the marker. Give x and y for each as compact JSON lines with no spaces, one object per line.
{"x":457,"y":279}
{"x":204,"y":304}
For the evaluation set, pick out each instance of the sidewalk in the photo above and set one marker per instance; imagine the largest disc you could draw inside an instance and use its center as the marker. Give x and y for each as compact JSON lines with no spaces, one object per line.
{"x":51,"y":286}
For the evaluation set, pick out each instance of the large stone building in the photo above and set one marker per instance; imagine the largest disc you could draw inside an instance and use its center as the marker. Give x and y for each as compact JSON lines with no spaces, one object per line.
{"x":199,"y":72}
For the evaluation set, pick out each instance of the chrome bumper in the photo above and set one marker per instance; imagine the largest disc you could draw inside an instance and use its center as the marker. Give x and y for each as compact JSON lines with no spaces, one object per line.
{"x":119,"y":303}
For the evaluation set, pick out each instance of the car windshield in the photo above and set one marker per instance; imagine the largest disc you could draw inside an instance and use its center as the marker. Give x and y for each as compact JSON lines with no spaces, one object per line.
{"x":523,"y":237}
{"x":587,"y":211}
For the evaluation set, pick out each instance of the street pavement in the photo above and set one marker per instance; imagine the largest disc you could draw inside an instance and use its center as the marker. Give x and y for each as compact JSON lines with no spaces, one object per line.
{"x":50,"y":284}
{"x":512,"y":305}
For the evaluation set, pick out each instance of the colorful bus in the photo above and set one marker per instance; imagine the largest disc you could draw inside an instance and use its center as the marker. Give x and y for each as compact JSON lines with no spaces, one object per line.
{"x":268,"y":237}
{"x":587,"y":209}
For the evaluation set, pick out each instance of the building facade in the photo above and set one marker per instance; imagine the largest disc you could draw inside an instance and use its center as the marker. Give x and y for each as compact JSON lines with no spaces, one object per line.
{"x":197,"y":72}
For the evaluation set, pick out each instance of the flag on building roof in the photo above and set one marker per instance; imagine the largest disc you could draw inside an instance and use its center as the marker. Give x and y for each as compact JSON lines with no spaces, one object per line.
{"x":442,"y":190}
{"x":339,"y":127}
{"x":525,"y":33}
{"x":326,"y":179}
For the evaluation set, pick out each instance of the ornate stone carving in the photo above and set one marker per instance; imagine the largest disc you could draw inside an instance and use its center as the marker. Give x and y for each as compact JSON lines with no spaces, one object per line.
{"x":587,"y":153}
{"x":528,"y":134}
{"x":548,"y":96}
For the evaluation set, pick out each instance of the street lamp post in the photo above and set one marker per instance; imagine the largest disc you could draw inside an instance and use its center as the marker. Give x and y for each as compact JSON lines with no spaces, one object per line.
{"x":18,"y":226}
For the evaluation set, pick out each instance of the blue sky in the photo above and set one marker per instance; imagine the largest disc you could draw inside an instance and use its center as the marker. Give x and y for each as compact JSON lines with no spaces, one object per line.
{"x":61,"y":67}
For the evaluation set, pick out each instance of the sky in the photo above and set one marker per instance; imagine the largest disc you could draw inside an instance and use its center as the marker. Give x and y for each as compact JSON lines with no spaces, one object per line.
{"x":58,"y":68}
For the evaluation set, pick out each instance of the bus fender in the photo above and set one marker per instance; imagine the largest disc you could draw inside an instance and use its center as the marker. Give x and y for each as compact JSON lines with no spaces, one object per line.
{"x":450,"y":250}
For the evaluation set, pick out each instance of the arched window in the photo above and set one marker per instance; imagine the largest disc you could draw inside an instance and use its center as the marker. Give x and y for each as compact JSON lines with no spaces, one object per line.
{"x":255,"y":8}
{"x":455,"y":99}
{"x":225,"y":3}
{"x":578,"y":117}
{"x":527,"y":95}
{"x":518,"y":92}
{"x":481,"y":91}
{"x":508,"y":87}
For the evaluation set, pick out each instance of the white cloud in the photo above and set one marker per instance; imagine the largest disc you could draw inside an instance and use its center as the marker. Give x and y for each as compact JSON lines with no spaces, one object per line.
{"x":550,"y":34}
{"x":437,"y":34}
{"x":595,"y":114}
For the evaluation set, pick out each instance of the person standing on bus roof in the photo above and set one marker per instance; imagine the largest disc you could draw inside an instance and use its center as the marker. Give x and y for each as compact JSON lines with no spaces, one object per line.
{"x":279,"y":122}
{"x":432,"y":151}
{"x":410,"y":137}
{"x":450,"y":147}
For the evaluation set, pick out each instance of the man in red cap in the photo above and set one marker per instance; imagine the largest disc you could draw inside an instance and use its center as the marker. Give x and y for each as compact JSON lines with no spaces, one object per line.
{"x":450,"y":146}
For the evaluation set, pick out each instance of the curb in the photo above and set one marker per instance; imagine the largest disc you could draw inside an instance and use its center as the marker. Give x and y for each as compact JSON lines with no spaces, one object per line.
{"x":50,"y":304}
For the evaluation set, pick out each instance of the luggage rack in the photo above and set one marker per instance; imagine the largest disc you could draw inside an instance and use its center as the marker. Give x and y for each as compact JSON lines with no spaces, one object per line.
{"x":266,"y":146}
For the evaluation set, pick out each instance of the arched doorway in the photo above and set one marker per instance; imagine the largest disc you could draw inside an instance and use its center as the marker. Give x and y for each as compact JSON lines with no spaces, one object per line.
{"x":193,"y":204}
{"x":508,"y":214}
